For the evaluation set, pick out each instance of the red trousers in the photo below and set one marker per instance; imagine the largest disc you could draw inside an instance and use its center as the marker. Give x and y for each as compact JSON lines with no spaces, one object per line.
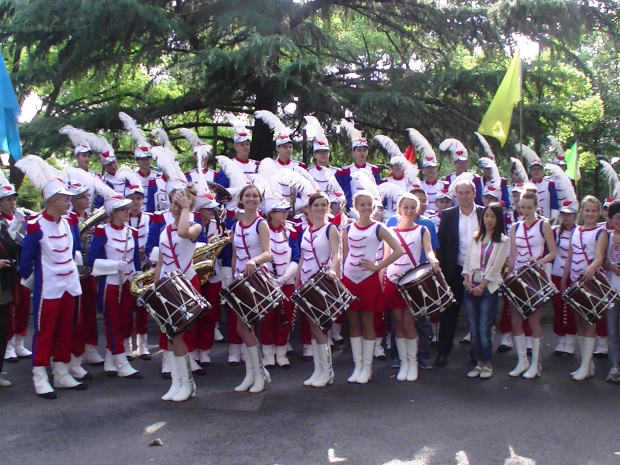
{"x":271,"y":331}
{"x":53,"y":327}
{"x":205,"y":327}
{"x":88,"y":310}
{"x":117,"y":317}
{"x":563,"y":317}
{"x":505,"y":324}
{"x":19,"y":313}
{"x":141,"y":323}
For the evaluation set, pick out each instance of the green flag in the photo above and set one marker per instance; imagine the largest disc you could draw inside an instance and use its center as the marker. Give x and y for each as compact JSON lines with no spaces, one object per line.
{"x":496,"y":121}
{"x":572,"y":163}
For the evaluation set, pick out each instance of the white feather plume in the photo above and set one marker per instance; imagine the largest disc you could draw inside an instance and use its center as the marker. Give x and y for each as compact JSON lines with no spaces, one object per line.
{"x":167,"y":160}
{"x":81,"y":176}
{"x":313,"y":123}
{"x":353,"y":133}
{"x":559,"y":151}
{"x":563,"y":185}
{"x":466,"y":175}
{"x":98,"y":144}
{"x":453,"y":146}
{"x":272,"y":121}
{"x":191,"y":136}
{"x":162,"y":137}
{"x":38,"y":171}
{"x":267,"y":180}
{"x":485,"y":146}
{"x":3,"y":180}
{"x":612,"y":176}
{"x":411,"y":172}
{"x":528,"y":153}
{"x":420,"y":143}
{"x":103,"y":189}
{"x":365,"y":179}
{"x":76,"y":136}
{"x":390,"y":190}
{"x":201,"y":150}
{"x":234,"y":174}
{"x":519,"y":169}
{"x":308,"y":176}
{"x":496,"y":179}
{"x":129,"y":176}
{"x":333,"y":186}
{"x":389,"y":146}
{"x":296,"y":181}
{"x":235,"y":122}
{"x":133,"y":129}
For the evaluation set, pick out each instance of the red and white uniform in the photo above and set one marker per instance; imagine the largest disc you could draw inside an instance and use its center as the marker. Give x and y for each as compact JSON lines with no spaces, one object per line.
{"x":392,"y":203}
{"x":157,"y":189}
{"x":248,"y":167}
{"x":145,"y":180}
{"x":432,"y":189}
{"x":320,"y":176}
{"x":545,"y":203}
{"x":280,"y":165}
{"x":564,"y":319}
{"x":47,"y":257}
{"x":117,"y":184}
{"x":583,"y":243}
{"x":141,"y":225}
{"x":372,"y":170}
{"x":316,"y":250}
{"x":177,"y":253}
{"x":363,"y":244}
{"x":562,"y":242}
{"x":413,"y":240}
{"x":530,"y":243}
{"x":246,"y":242}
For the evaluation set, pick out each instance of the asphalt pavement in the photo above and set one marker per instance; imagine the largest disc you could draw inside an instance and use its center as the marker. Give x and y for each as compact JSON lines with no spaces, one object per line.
{"x":443,"y":418}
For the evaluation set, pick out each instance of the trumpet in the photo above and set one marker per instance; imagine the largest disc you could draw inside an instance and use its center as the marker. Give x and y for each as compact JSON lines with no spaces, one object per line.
{"x":203,"y":259}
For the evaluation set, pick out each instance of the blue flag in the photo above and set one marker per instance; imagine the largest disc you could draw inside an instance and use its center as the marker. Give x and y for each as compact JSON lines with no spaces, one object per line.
{"x":9,"y":113}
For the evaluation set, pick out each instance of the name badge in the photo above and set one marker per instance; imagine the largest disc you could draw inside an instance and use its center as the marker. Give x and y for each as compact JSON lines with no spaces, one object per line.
{"x":478,"y":276}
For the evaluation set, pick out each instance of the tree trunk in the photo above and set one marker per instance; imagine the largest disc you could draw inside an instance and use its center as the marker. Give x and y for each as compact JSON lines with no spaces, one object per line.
{"x":262,"y":137}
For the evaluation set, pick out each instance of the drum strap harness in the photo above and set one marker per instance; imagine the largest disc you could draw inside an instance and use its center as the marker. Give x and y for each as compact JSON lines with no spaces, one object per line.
{"x":312,"y":246}
{"x":174,"y":252}
{"x":527,"y":240}
{"x":245,"y":245}
{"x":404,"y":244}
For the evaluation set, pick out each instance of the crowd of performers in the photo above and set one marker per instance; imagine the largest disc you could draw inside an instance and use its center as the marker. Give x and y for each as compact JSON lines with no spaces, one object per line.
{"x":293,"y":223}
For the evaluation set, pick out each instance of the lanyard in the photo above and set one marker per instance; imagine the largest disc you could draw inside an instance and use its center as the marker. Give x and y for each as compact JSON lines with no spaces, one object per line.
{"x":583,"y":247}
{"x":404,"y":244}
{"x":527,"y":241}
{"x":310,"y":231}
{"x":483,"y":255}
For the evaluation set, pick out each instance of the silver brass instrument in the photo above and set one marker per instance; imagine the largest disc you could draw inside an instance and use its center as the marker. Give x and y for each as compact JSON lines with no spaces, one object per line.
{"x":87,"y":228}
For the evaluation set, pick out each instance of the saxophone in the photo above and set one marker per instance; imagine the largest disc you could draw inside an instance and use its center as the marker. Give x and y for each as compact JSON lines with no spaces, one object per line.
{"x":203,"y":259}
{"x":86,"y":234}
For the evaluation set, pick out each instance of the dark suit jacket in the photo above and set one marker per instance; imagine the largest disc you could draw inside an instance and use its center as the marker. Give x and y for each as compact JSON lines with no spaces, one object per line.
{"x":449,"y":240}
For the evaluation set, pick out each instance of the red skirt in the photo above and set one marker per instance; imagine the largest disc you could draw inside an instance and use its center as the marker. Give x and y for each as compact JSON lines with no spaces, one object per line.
{"x":368,"y":292}
{"x":393,"y":299}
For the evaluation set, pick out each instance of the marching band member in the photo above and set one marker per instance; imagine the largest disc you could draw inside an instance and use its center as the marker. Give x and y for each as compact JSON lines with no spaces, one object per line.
{"x":250,"y":238}
{"x":460,"y":157}
{"x":320,"y":152}
{"x":431,"y":183}
{"x":518,"y":175}
{"x":206,"y":209}
{"x":612,"y":267}
{"x":14,"y":221}
{"x":360,"y":275}
{"x":139,"y":220}
{"x":8,"y":266}
{"x":319,"y":249}
{"x":47,"y":264}
{"x":359,"y":148}
{"x":414,"y":239}
{"x":482,"y":272}
{"x":490,"y":175}
{"x":201,"y":157}
{"x":241,"y":145}
{"x":177,"y":243}
{"x":564,"y":325}
{"x":547,"y":194}
{"x":530,"y":239}
{"x":150,"y":180}
{"x":443,"y":200}
{"x":458,"y":225}
{"x":588,"y":246}
{"x":114,"y":257}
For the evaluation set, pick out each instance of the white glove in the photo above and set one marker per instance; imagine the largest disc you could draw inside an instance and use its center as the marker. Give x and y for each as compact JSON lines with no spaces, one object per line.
{"x":289,"y":274}
{"x":16,"y":225}
{"x":154,"y":255}
{"x":226,"y":275}
{"x":79,"y":260}
{"x":125,"y":267}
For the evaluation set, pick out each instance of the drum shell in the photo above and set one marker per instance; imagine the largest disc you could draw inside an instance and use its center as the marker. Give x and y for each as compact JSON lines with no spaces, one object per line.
{"x":428,"y":293}
{"x":528,"y":288}
{"x":577,"y":296}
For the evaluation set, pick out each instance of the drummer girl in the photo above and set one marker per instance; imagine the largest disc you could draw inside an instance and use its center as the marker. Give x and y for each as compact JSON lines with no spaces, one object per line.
{"x":360,"y":244}
{"x":319,"y":249}
{"x":177,"y":243}
{"x":530,"y":239}
{"x":251,"y":250}
{"x":586,"y":253}
{"x":415,"y":239}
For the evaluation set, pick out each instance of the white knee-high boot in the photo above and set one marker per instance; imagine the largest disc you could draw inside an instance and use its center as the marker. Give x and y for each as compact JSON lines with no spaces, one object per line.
{"x":356,"y":350}
{"x":535,"y":368}
{"x":325,"y":360}
{"x":587,"y":367}
{"x":368,"y":353}
{"x":261,"y":375}
{"x":248,"y":381}
{"x":174,"y":376}
{"x":317,"y":365}
{"x":401,"y":346}
{"x":522,"y":364}
{"x":412,"y":358}
{"x":188,"y":387}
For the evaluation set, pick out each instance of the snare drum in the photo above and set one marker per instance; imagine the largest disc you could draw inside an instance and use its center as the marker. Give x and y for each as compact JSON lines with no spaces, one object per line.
{"x":322,"y":299}
{"x":424,"y":291}
{"x":174,"y":303}
{"x":528,"y":288}
{"x":252,"y":296}
{"x":591,"y":299}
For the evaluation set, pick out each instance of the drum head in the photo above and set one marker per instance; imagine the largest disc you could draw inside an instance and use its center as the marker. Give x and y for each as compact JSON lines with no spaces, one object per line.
{"x":416,"y":275}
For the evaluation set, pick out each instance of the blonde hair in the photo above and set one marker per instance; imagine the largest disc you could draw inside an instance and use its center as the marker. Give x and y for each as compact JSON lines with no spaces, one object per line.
{"x":591,"y":198}
{"x":528,"y":195}
{"x":244,"y":190}
{"x":407,"y":196}
{"x":362,"y":193}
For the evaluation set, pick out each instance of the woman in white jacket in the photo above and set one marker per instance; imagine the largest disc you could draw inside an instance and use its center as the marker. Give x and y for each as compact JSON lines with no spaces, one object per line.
{"x":482,"y":267}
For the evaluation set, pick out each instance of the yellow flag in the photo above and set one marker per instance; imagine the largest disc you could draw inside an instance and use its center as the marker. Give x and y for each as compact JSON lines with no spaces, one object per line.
{"x":496,"y":121}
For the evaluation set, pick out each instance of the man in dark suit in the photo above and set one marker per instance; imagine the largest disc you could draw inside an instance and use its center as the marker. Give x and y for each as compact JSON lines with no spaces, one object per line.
{"x":457,"y":227}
